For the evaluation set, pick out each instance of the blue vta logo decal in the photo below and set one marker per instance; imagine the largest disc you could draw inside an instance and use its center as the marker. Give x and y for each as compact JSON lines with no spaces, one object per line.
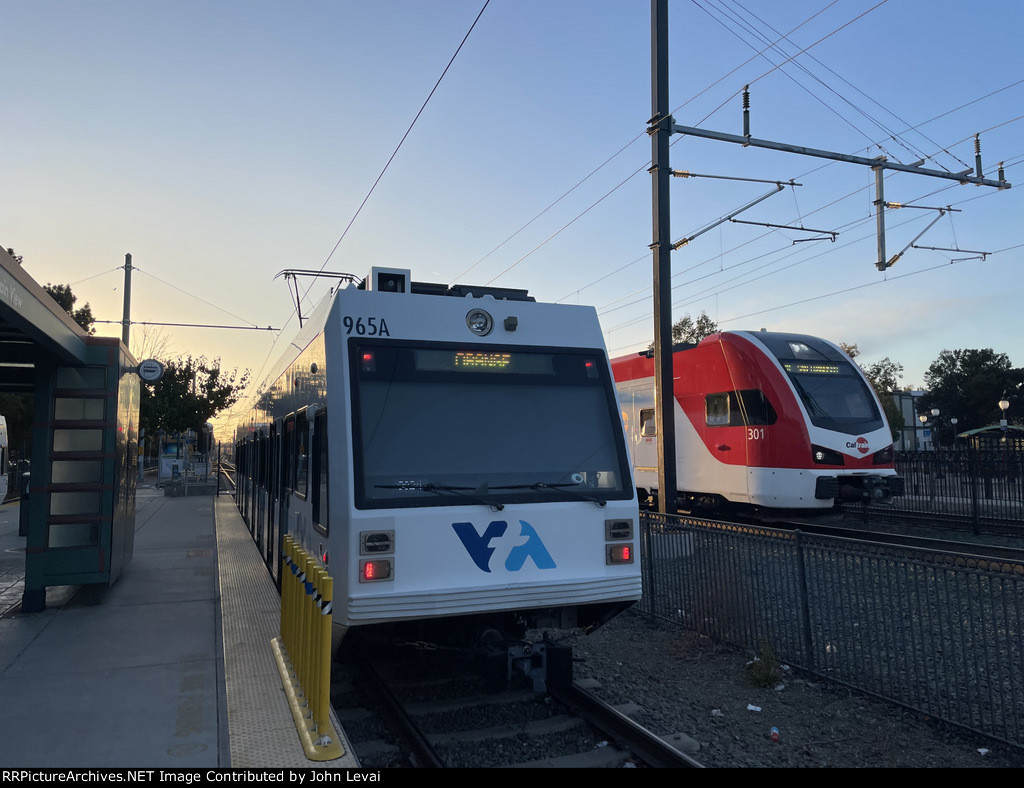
{"x":527,"y":544}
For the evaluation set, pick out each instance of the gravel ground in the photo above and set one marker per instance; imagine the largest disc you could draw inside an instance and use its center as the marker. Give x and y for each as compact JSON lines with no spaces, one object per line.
{"x":685,"y":683}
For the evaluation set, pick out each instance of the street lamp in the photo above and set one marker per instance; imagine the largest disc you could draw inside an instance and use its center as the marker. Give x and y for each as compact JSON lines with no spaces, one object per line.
{"x":952,"y":423}
{"x":935,"y":421}
{"x":1003,"y":405}
{"x":924,"y":420}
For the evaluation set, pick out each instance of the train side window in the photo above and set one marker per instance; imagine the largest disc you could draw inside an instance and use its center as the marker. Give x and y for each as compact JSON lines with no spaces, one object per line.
{"x":288,"y":454}
{"x":717,"y":410}
{"x":301,"y":458}
{"x":320,"y":470}
{"x":648,"y":424}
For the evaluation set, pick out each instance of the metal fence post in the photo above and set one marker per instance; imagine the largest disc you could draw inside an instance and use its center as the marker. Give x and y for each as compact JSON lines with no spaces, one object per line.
{"x":972,"y":465}
{"x":805,"y":605}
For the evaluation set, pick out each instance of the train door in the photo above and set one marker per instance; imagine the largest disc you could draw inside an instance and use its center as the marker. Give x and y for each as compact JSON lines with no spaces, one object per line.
{"x":247,"y":476}
{"x":260,"y":473}
{"x":273,"y":499}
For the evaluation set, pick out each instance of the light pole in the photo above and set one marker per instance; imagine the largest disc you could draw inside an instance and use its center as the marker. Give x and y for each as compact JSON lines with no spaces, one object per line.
{"x":952,"y":423}
{"x":935,"y":421}
{"x":1003,"y":405}
{"x":924,"y":421}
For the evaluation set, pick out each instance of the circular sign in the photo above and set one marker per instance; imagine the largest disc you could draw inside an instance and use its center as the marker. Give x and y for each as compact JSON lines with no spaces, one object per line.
{"x":862,"y":445}
{"x":151,"y":370}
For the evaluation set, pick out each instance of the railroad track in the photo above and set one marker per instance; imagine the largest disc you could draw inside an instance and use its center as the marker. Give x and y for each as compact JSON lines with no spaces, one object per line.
{"x":904,"y":540}
{"x":433,"y":710}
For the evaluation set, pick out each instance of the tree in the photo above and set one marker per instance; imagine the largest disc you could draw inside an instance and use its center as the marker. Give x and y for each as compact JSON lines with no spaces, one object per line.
{"x":150,"y":342}
{"x":686,"y":329}
{"x":66,"y":300}
{"x":968,"y":384}
{"x":190,"y":393}
{"x":884,"y":377}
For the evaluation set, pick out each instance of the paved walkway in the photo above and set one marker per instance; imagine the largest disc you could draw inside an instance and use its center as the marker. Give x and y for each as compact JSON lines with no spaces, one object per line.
{"x":136,"y":678}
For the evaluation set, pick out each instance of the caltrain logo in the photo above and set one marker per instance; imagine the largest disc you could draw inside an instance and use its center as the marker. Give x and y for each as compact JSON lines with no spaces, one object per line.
{"x":517,"y":548}
{"x":861,"y":445}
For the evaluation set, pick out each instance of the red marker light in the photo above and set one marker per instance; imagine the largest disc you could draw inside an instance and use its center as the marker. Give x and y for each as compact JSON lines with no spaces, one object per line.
{"x":373,"y":571}
{"x":618,"y":554}
{"x":369,"y":362}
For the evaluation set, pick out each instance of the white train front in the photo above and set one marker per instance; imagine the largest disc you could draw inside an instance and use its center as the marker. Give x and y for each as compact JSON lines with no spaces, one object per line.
{"x":456,"y":462}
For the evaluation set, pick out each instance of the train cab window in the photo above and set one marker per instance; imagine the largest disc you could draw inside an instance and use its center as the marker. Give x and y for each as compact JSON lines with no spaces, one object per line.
{"x":755,"y":407}
{"x":648,"y":423}
{"x":320,"y":469}
{"x":301,"y":459}
{"x":744,"y":408}
{"x":443,"y":424}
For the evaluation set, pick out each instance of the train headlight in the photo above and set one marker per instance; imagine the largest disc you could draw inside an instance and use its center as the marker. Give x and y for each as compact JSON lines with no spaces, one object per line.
{"x":479,"y":322}
{"x":823,"y":456}
{"x":883,"y":457}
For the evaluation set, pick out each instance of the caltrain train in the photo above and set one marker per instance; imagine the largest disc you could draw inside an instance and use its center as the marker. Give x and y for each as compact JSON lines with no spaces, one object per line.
{"x":765,"y":421}
{"x":454,"y":457}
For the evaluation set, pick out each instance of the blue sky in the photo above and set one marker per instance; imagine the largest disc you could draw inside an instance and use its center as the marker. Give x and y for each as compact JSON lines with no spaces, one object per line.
{"x":220,"y":143}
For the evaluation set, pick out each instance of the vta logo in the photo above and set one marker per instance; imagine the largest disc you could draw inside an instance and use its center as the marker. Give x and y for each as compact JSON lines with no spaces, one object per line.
{"x":526,"y":545}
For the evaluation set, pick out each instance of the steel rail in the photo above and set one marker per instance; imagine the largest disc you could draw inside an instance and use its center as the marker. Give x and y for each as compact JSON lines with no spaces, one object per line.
{"x":653,"y":749}
{"x":413,"y":740}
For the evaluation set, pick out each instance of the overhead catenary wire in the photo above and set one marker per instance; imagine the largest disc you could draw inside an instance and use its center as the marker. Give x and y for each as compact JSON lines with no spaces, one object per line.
{"x":718,"y":289}
{"x":639,"y":136}
{"x":401,"y":141}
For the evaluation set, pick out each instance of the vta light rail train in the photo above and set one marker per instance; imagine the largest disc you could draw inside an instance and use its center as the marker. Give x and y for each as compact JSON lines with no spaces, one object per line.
{"x":764,"y":421}
{"x":453,"y":455}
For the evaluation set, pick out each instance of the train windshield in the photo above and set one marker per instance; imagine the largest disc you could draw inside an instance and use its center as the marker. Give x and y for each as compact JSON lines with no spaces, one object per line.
{"x":450,"y":425}
{"x":835,"y":395}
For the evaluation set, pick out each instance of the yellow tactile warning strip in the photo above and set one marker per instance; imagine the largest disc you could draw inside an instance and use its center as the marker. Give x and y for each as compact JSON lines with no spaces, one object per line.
{"x":260,"y":725}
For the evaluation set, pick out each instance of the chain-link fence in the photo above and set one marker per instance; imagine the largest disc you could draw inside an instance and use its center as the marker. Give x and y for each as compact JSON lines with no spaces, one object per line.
{"x":939,"y":632}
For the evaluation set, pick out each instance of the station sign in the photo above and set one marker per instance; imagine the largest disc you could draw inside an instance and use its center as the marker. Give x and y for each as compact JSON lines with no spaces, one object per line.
{"x":151,"y":370}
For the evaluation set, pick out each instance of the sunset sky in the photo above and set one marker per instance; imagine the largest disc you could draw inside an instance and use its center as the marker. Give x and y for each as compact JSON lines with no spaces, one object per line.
{"x":220,"y":143}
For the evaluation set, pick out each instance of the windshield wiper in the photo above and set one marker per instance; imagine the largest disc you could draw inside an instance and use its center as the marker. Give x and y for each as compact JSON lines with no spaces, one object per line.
{"x":558,"y":486}
{"x":439,"y":489}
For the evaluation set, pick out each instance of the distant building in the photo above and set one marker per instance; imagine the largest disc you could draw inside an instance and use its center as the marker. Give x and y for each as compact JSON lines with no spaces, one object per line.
{"x":914,"y":436}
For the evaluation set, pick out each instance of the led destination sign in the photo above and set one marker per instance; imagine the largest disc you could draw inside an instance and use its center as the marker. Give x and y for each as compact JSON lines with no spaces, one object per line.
{"x":478,"y":360}
{"x":483,"y":361}
{"x":805,"y":368}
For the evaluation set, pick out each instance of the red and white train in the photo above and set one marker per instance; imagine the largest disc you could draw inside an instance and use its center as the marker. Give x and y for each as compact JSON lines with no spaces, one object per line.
{"x":767,"y":420}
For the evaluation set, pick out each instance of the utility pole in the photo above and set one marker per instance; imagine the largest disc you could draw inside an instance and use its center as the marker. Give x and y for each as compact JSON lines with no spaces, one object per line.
{"x":660,"y":129}
{"x":126,"y":312}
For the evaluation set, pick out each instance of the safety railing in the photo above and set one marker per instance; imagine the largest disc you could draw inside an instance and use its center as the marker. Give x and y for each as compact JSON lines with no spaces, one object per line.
{"x":303,"y":651}
{"x":983,"y":489}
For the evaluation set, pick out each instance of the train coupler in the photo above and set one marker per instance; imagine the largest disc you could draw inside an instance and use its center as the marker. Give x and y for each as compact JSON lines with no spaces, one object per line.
{"x":542,"y":663}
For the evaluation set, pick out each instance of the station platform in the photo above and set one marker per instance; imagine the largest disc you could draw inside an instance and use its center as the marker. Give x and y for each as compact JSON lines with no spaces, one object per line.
{"x":170,"y":667}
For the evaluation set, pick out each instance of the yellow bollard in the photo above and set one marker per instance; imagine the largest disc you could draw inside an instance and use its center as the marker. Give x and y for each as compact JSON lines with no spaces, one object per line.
{"x":303,"y":651}
{"x":324,"y":702}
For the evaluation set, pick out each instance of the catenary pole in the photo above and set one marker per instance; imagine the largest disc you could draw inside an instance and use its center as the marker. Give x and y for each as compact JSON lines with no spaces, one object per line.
{"x":660,"y":129}
{"x":126,"y":312}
